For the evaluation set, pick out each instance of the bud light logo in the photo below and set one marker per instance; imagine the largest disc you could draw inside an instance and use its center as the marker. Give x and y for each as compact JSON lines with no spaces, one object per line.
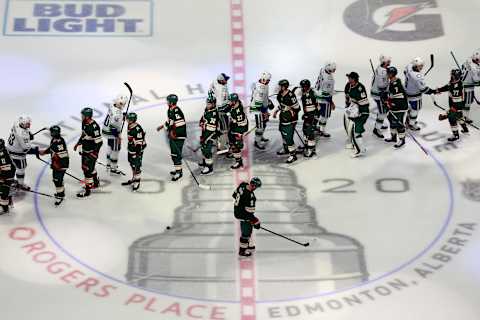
{"x":78,"y":18}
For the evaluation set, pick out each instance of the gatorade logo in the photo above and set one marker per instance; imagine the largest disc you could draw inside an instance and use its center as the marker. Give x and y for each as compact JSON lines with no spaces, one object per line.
{"x":78,"y":18}
{"x":395,"y":20}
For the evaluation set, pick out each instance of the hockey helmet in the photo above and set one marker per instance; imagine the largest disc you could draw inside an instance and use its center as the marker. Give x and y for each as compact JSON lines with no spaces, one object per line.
{"x":233,"y":97}
{"x":87,"y":112}
{"x":418,"y":62}
{"x":476,"y":56}
{"x":211,"y":99}
{"x":456,"y":74}
{"x":24,"y":122}
{"x":330,"y":66}
{"x":284,"y":83}
{"x":255,"y":181}
{"x":2,"y":144}
{"x":120,"y":101}
{"x":305,"y":83}
{"x":222,"y":77}
{"x":353,"y":75}
{"x":385,"y":59}
{"x":172,"y":99}
{"x":392,"y":71}
{"x":55,"y":131}
{"x":265,"y":76}
{"x":132,"y":117}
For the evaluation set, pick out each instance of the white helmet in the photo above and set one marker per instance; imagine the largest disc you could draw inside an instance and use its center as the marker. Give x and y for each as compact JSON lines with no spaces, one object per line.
{"x":476,"y":55}
{"x":265,"y":76}
{"x":384,"y":59}
{"x":24,"y":122}
{"x":222,"y":77}
{"x":120,"y":101}
{"x":417,"y":62}
{"x":330,"y":66}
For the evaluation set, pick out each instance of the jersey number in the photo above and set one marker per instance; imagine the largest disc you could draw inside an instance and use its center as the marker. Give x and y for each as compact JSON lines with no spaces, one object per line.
{"x":11,"y":139}
{"x":107,"y":121}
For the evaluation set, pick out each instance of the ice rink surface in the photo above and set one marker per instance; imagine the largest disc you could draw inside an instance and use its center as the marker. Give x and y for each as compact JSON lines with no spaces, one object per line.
{"x":393,"y":235}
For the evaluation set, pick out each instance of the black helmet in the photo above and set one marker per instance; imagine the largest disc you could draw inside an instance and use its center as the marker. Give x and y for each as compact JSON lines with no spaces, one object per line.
{"x":233,"y":97}
{"x":392,"y":71}
{"x":456,"y":74}
{"x":55,"y":131}
{"x":305,"y":83}
{"x":2,"y":144}
{"x":87,"y":112}
{"x":353,"y":75}
{"x":132,"y":117}
{"x":256,"y":182}
{"x":172,"y":98}
{"x":284,"y":83}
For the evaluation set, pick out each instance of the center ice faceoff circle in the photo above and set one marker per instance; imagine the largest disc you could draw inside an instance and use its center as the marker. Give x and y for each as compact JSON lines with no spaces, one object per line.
{"x":302,"y":201}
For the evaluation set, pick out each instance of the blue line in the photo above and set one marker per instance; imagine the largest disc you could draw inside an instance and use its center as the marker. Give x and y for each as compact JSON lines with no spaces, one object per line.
{"x":363,"y":284}
{"x":5,"y":17}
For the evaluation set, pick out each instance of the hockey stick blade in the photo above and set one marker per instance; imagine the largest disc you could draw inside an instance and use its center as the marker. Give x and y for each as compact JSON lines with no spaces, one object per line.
{"x":286,"y":238}
{"x":204,"y":186}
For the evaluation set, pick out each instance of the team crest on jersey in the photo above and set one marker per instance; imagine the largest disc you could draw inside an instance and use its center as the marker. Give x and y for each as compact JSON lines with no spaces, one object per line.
{"x":395,"y":20}
{"x":471,"y":189}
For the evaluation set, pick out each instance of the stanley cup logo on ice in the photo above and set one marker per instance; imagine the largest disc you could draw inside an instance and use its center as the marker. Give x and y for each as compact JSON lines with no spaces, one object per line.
{"x":203,"y":233}
{"x":91,"y":17}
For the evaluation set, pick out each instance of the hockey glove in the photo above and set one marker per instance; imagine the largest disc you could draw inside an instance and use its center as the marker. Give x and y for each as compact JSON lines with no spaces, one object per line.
{"x":255,"y":222}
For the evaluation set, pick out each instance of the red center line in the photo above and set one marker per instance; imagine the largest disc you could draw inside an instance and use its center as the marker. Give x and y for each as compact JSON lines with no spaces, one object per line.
{"x":246,"y":267}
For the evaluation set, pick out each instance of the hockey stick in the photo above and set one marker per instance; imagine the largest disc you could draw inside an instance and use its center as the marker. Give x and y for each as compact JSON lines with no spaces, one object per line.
{"x":409,"y":134}
{"x":104,"y":165}
{"x":431,"y":64}
{"x":36,"y":192}
{"x":43,"y":129}
{"x":128,"y":105}
{"x":306,"y":244}
{"x":373,"y":70}
{"x":301,"y":140}
{"x":444,"y":109}
{"x":68,"y":174}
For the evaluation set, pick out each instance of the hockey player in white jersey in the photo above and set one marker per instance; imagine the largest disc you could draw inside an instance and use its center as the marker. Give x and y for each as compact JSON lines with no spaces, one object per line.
{"x":415,"y":87}
{"x":325,"y":87}
{"x":471,"y":78}
{"x":380,"y":94}
{"x":260,"y":105}
{"x":111,"y":130}
{"x":19,"y":146}
{"x":219,"y":90}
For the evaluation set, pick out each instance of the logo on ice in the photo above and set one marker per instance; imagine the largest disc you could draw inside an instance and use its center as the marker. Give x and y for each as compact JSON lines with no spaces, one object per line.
{"x":85,"y":17}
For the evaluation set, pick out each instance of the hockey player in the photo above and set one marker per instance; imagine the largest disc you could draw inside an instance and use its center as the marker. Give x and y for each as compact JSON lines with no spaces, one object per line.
{"x":136,"y":146}
{"x":456,"y":103}
{"x":7,"y":174}
{"x":238,"y":126}
{"x":309,"y":104}
{"x":111,"y":130}
{"x":219,"y":90}
{"x":90,"y":142}
{"x":398,"y":107}
{"x":379,"y":93}
{"x":471,"y":78}
{"x":289,"y":109}
{"x":326,"y":88}
{"x":209,"y":124}
{"x":177,"y":134}
{"x":19,"y":146}
{"x":357,"y":111}
{"x":415,"y":87}
{"x":244,"y":210}
{"x":260,"y":105}
{"x":59,"y":161}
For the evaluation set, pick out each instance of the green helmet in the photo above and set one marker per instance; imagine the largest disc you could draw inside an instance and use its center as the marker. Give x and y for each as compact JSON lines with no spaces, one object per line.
{"x":233,"y":97}
{"x":172,"y":98}
{"x":256,"y":182}
{"x":2,"y":144}
{"x":211,"y":99}
{"x":284,"y":83}
{"x":55,"y":131}
{"x":305,"y":83}
{"x":87,"y":112}
{"x":132,"y":116}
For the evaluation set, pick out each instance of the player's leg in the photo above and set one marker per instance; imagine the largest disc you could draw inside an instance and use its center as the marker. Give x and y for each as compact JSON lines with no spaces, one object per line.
{"x":137,"y":171}
{"x":401,"y":129}
{"x":309,"y":133}
{"x":20,"y":164}
{"x":292,"y":150}
{"x":381,"y":114}
{"x":414,"y":107}
{"x":176,"y":147}
{"x":325,"y":113}
{"x":348,"y":124}
{"x":394,"y":125}
{"x":357,"y":135}
{"x":4,"y":196}
{"x":259,"y":124}
{"x":115,"y":150}
{"x":58,"y":176}
{"x":237,"y":151}
{"x":207,"y":151}
{"x":246,"y":229}
{"x":265,"y":118}
{"x":452,"y":119}
{"x":283,"y":132}
{"x":88,"y":167}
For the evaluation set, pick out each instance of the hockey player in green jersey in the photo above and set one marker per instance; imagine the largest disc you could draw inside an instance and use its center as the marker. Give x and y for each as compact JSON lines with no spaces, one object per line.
{"x":357,"y":112}
{"x":310,"y":105}
{"x":289,"y":109}
{"x":177,"y":134}
{"x":91,"y":142}
{"x":456,"y":103}
{"x":244,"y":210}
{"x":7,"y":174}
{"x":209,"y":124}
{"x":136,"y":146}
{"x":398,"y":107}
{"x":60,"y":161}
{"x":238,"y":126}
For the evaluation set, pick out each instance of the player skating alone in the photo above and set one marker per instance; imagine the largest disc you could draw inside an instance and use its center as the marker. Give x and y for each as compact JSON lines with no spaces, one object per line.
{"x":136,"y":147}
{"x":238,"y":126}
{"x":325,"y":87}
{"x":471,"y":78}
{"x":7,"y":174}
{"x":219,"y":90}
{"x":379,"y":94}
{"x":209,"y":124}
{"x":244,"y":210}
{"x":111,"y":130}
{"x":415,"y":87}
{"x":177,"y":134}
{"x":19,"y":146}
{"x":289,"y":108}
{"x":456,"y":103}
{"x":397,"y":108}
{"x":260,"y":105}
{"x":60,"y":161}
{"x":310,"y":105}
{"x":357,"y":112}
{"x":90,"y":142}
